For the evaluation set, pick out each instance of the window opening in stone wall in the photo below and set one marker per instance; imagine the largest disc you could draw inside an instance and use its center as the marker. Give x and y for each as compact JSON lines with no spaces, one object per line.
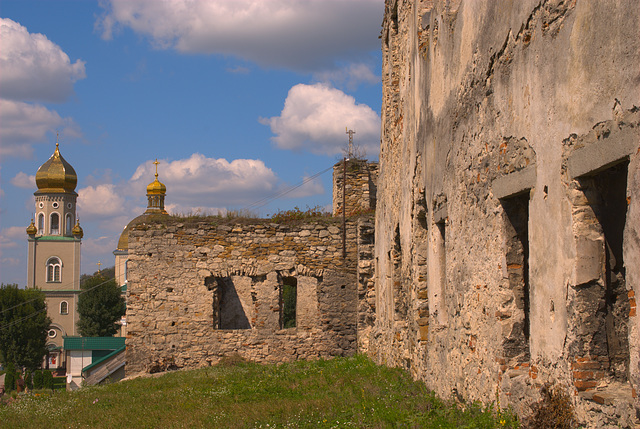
{"x":64,"y":307}
{"x":55,"y":224}
{"x":602,"y":306}
{"x":54,"y":270}
{"x":399,"y":294}
{"x":421,"y":232}
{"x":437,"y":272}
{"x":516,"y":343}
{"x":441,"y":262}
{"x":289,"y":302}
{"x":228,"y":312}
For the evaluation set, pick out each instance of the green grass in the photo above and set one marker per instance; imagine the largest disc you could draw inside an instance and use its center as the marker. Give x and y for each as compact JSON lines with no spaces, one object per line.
{"x":337,"y":393}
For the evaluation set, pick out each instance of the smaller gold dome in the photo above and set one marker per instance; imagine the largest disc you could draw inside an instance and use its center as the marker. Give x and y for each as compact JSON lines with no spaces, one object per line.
{"x":31,"y":229}
{"x":56,"y":175}
{"x":77,"y":230}
{"x":156,"y":187}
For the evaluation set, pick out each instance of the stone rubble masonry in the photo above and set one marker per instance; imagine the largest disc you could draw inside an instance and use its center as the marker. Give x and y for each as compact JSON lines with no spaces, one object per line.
{"x":507,"y":225}
{"x":360,"y":186}
{"x":177,"y":270}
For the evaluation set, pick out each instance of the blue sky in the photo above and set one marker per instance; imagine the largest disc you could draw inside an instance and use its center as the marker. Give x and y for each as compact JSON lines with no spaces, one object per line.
{"x":238,"y":100}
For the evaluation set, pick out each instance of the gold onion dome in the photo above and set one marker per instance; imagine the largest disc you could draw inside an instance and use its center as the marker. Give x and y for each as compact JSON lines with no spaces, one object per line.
{"x":77,"y":230}
{"x":31,"y":229}
{"x":156,"y":187}
{"x":56,"y":175}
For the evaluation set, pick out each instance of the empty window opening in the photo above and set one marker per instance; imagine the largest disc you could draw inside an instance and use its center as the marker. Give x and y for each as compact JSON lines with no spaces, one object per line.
{"x":611,"y":209}
{"x":68,"y":224}
{"x":438,"y":275}
{"x":228,"y":312}
{"x":54,"y":270}
{"x":399,"y":293}
{"x":289,"y":302}
{"x":604,"y":332}
{"x":55,"y":224}
{"x":41,"y":223}
{"x":516,"y":209}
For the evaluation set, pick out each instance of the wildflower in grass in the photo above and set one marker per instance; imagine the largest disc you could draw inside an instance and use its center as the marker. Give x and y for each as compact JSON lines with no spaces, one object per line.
{"x":95,"y":401}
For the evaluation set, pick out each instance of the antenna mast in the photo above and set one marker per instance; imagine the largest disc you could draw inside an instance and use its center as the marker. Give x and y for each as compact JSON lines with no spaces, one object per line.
{"x":351,"y":133}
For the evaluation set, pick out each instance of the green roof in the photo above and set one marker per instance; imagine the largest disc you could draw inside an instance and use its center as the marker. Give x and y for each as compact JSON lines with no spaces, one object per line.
{"x":123,"y":288}
{"x":55,"y":238}
{"x":104,"y":358}
{"x":93,"y":343}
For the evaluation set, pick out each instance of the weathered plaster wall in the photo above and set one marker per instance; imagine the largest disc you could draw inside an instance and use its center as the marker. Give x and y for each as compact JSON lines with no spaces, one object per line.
{"x":478,"y":289}
{"x":198,"y":292}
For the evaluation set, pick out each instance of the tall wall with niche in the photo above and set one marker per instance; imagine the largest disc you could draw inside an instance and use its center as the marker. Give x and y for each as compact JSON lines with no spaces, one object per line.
{"x":507,"y":203}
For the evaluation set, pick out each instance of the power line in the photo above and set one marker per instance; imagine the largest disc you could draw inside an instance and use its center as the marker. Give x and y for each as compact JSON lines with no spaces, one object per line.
{"x":59,"y":288}
{"x":266,"y":200}
{"x":14,"y":322}
{"x":255,"y":205}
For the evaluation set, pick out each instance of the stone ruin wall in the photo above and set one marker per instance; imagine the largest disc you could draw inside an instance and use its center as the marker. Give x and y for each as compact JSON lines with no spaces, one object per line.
{"x":507,"y":239}
{"x":198,"y":292}
{"x":360,"y":186}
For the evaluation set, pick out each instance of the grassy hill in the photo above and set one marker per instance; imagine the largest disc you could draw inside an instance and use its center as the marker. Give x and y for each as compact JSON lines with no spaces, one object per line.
{"x":337,"y":393}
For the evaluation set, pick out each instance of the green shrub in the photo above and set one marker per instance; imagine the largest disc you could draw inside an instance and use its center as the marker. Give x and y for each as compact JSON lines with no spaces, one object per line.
{"x":283,"y":216}
{"x":28,"y":380}
{"x":47,"y":380}
{"x":10,"y":378}
{"x":37,"y":379}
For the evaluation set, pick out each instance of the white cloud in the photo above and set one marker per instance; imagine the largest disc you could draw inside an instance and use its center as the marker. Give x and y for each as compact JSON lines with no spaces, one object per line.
{"x":314,"y":118}
{"x":24,"y":124}
{"x":238,"y":70}
{"x":33,"y":67}
{"x":23,"y":180}
{"x":11,"y":261}
{"x":298,"y":34}
{"x":309,"y":187}
{"x":15,"y":232}
{"x":96,"y":250}
{"x":350,"y":76}
{"x":100,"y":201}
{"x":208,"y":183}
{"x":9,"y":244}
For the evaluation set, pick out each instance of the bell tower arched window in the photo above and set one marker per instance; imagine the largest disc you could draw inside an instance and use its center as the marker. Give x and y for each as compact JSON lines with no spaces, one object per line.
{"x":41,"y":223}
{"x":55,"y":224}
{"x":68,"y":224}
{"x":54,"y":270}
{"x":64,"y":307}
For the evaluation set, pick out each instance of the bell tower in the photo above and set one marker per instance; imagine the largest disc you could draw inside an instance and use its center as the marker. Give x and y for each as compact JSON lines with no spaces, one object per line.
{"x":54,"y":238}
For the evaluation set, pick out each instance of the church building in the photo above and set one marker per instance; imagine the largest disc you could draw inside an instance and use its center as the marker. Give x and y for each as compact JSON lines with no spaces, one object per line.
{"x":54,"y":249}
{"x":156,"y":192}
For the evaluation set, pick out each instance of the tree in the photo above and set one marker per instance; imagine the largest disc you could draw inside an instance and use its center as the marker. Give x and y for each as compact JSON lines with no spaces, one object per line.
{"x":107,"y":273}
{"x":23,"y":326}
{"x":100,"y":306}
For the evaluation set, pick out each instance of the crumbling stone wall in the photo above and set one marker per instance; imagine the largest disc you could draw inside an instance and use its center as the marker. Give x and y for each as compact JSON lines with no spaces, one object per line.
{"x":358,"y":192}
{"x":507,"y":238}
{"x":201,"y":291}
